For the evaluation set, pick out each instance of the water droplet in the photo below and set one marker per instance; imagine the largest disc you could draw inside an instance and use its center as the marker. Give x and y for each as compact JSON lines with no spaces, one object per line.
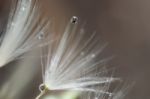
{"x":41,"y":36}
{"x":74,"y":19}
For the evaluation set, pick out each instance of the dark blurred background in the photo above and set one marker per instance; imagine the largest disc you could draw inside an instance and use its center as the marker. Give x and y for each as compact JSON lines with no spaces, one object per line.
{"x":124,"y":24}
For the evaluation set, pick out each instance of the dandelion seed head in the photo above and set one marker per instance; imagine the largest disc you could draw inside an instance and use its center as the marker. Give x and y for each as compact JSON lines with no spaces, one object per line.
{"x":68,"y":67}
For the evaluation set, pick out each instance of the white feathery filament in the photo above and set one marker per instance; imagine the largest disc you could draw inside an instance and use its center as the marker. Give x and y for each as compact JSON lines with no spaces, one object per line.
{"x":72,"y":63}
{"x":22,"y":30}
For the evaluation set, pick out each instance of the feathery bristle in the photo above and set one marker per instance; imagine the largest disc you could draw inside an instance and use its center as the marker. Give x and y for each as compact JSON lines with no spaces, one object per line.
{"x":117,"y":94}
{"x":72,"y":63}
{"x":22,"y":32}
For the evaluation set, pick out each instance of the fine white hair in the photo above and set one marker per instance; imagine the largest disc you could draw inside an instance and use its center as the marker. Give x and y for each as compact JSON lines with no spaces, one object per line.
{"x":23,"y":30}
{"x":72,"y":62}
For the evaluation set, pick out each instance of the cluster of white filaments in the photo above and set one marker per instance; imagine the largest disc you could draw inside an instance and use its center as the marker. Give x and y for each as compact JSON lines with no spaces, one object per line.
{"x":22,"y":30}
{"x":71,"y":63}
{"x":72,"y":59}
{"x":118,"y":94}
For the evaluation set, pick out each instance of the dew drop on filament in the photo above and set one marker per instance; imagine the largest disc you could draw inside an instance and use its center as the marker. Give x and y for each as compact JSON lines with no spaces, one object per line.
{"x":74,"y":19}
{"x":41,"y":36}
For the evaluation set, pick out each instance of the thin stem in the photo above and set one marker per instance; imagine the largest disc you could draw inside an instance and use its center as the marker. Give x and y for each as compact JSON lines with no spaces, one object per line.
{"x":42,"y":94}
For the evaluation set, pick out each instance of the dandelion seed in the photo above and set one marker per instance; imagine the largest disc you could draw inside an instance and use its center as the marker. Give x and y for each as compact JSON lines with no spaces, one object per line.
{"x":66,"y":69}
{"x":21,"y":31}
